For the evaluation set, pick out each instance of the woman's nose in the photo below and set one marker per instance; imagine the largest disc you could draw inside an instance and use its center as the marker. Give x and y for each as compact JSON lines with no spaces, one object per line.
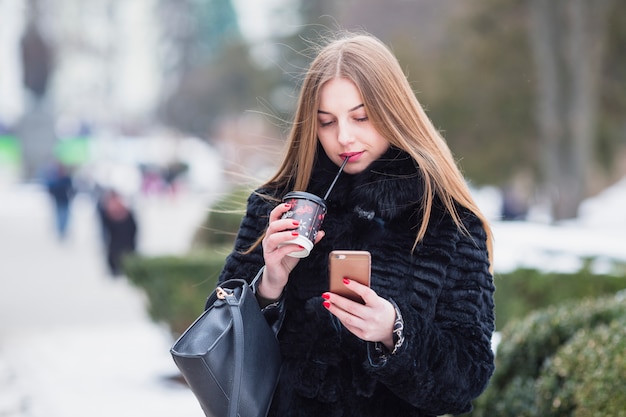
{"x":345,"y":134}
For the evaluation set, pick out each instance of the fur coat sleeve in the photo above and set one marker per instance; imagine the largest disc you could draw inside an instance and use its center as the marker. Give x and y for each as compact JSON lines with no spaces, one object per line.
{"x":446,"y":358}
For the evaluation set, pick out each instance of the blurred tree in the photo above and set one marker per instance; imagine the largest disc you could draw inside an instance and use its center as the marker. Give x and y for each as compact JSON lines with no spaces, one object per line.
{"x":216,"y":89}
{"x":611,"y":144}
{"x":194,"y":31}
{"x":472,"y":66}
{"x":296,"y":51}
{"x":199,"y":37}
{"x":216,"y":23}
{"x":477,"y":87}
{"x":568,"y":44}
{"x":469,"y":65}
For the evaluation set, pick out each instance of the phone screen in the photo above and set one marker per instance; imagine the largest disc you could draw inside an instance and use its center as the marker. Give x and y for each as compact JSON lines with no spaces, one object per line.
{"x":355,"y":265}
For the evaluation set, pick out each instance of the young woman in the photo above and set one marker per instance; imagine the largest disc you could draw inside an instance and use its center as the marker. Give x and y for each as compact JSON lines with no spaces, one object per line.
{"x":421,"y":343}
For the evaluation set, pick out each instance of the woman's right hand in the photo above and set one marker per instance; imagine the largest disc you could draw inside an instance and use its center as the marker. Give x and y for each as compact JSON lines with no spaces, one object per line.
{"x":278,"y":265}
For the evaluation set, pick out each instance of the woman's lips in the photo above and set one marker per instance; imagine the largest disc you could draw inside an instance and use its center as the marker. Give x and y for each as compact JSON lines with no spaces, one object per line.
{"x":352,"y":156}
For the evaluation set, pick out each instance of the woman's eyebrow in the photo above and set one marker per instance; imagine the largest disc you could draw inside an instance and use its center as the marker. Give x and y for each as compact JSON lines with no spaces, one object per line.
{"x":350,"y":110}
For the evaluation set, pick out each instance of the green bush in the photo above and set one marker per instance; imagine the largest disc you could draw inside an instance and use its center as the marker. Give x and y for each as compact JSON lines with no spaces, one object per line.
{"x":524,"y":290}
{"x":222,"y":221}
{"x":587,"y":376}
{"x":555,"y":361}
{"x":176,"y":287}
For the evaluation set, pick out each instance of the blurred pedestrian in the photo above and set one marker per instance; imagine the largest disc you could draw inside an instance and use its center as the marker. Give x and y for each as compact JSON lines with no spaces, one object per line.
{"x":61,"y":188}
{"x":513,"y":207}
{"x":120,"y":230}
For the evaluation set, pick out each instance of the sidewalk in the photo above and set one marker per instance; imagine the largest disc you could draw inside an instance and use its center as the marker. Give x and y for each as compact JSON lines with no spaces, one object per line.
{"x":74,"y":341}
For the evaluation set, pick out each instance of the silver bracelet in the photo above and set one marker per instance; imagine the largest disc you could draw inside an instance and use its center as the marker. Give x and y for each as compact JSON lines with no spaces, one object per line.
{"x":398,"y":329}
{"x":398,"y":335}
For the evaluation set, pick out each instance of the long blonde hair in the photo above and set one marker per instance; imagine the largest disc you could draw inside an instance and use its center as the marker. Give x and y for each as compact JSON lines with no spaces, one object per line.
{"x":394,"y":111}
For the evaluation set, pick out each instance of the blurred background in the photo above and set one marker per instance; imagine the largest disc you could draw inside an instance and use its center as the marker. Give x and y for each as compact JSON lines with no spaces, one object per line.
{"x":125,"y":124}
{"x":530,"y":95}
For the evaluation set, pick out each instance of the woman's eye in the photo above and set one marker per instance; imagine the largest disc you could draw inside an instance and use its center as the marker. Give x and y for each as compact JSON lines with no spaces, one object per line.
{"x":362,"y":119}
{"x":324,"y":124}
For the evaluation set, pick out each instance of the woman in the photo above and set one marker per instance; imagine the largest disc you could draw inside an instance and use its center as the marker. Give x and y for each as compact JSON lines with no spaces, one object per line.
{"x":420,"y":345}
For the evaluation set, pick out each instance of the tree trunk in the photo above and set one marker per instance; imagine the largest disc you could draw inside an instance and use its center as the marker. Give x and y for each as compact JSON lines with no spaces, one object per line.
{"x":567,"y":38}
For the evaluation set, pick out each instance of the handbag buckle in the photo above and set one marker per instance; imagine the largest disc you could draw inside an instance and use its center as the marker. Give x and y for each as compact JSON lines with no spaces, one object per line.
{"x":221,"y":293}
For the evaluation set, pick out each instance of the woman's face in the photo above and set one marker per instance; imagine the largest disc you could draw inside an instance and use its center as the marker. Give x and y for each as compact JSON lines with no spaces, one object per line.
{"x":344,"y":129}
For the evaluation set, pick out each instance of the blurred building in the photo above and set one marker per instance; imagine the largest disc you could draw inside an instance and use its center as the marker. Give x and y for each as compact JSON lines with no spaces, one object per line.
{"x":11,"y":29}
{"x":102,"y":70}
{"x":112,"y":64}
{"x":106,"y":52}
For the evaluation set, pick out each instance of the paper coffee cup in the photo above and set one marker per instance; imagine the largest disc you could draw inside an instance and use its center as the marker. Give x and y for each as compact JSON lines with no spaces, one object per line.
{"x":309,"y":210}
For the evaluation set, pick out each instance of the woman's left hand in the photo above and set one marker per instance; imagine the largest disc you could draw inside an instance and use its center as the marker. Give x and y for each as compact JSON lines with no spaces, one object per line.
{"x":372,"y":321}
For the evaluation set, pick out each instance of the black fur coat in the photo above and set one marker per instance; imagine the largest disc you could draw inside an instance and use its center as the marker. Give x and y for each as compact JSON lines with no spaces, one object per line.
{"x":443,"y":289}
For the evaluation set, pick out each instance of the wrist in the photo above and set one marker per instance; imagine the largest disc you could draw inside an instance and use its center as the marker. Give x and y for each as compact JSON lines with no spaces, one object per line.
{"x":388,"y":342}
{"x":391,"y":343}
{"x":266,"y":291}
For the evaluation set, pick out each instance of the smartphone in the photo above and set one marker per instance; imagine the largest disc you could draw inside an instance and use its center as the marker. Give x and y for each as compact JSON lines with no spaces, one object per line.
{"x":355,"y":265}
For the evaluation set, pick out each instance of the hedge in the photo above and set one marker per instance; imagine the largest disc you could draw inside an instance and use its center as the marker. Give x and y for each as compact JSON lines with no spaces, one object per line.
{"x":176,"y":287}
{"x":566,"y":360}
{"x":587,"y":376}
{"x":524,"y":290}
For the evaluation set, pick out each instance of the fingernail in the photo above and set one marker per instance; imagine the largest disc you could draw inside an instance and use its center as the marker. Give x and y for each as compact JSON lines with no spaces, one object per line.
{"x":287,"y":205}
{"x":346,"y":281}
{"x":326,"y":304}
{"x":300,"y":246}
{"x":294,"y":233}
{"x":296,"y":223}
{"x":326,"y":296}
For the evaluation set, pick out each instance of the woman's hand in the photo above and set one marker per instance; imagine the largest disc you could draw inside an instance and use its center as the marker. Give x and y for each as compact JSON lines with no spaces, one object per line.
{"x":372,"y":321}
{"x":278,"y":265}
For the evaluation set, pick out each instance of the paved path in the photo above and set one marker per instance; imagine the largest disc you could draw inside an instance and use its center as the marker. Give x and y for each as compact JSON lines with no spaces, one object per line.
{"x":75,"y":342}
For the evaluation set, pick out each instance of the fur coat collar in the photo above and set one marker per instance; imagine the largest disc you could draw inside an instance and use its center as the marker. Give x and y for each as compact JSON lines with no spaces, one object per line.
{"x":385,"y":190}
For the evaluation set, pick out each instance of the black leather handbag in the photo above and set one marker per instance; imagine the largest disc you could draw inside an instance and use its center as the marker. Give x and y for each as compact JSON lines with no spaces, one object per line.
{"x":230,"y":356}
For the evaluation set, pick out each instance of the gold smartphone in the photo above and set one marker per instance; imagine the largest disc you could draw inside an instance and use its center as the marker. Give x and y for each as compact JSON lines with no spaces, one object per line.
{"x":355,"y":265}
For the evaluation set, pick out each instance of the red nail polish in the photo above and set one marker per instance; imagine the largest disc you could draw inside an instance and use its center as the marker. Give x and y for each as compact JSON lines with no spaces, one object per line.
{"x":346,"y":281}
{"x":326,"y":304}
{"x":294,"y":233}
{"x":300,"y":246}
{"x":287,"y":205}
{"x":326,"y":296}
{"x":296,"y":223}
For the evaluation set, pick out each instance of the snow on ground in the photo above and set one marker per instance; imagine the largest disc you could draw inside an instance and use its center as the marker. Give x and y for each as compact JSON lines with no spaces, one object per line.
{"x":74,"y":342}
{"x":599,"y":232}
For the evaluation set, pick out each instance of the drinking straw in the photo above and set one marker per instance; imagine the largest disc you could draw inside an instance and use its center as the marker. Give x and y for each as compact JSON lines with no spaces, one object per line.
{"x":345,"y":161}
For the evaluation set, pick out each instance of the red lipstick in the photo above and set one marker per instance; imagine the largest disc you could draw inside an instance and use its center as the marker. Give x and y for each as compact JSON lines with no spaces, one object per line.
{"x":352,"y":156}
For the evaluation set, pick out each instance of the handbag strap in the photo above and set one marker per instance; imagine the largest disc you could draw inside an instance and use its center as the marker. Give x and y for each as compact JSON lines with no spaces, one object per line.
{"x":235,"y":308}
